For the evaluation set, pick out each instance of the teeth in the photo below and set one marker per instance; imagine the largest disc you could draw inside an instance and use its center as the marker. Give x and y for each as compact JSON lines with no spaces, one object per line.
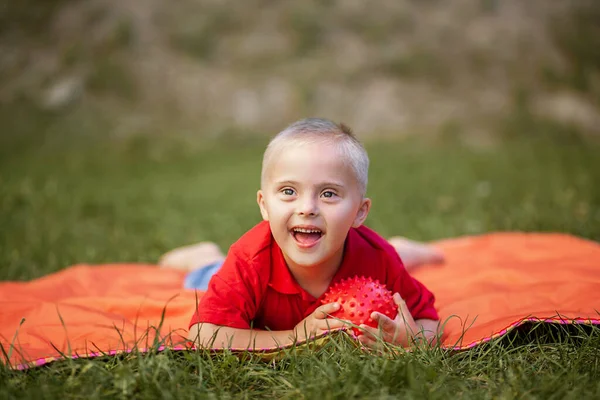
{"x":306,"y":230}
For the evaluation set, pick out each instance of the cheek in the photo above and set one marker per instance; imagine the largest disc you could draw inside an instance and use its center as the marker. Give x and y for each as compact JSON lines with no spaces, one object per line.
{"x":279,"y":210}
{"x":342,"y":215}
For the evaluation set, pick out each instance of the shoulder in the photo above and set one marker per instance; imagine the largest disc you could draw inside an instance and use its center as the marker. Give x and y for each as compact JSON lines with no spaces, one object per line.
{"x":370,"y":240}
{"x":372,"y":249}
{"x":364,"y":246}
{"x":254,"y":244}
{"x":236,"y":291}
{"x":246,"y":268}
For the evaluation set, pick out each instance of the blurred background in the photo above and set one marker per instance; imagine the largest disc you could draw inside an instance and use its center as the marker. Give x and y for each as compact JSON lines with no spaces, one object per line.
{"x":130,"y":127}
{"x":385,"y":67}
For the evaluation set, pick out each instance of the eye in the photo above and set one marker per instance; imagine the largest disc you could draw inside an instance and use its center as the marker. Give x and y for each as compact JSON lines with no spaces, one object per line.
{"x":328,"y":194}
{"x":288,"y":191}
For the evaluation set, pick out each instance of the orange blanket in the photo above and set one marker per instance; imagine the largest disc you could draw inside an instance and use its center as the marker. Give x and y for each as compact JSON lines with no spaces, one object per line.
{"x":490,"y":284}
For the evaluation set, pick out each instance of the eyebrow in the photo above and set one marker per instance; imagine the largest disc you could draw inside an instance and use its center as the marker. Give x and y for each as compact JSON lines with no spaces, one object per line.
{"x":321,"y":184}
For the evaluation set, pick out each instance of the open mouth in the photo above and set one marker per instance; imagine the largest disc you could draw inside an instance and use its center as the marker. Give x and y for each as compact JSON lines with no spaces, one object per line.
{"x":307,"y":237}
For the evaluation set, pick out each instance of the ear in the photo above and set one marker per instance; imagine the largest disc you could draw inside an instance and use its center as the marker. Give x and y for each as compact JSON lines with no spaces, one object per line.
{"x":260,"y":199}
{"x":363,"y":211}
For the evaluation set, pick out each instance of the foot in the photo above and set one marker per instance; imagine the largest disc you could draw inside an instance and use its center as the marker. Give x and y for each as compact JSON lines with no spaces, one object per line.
{"x":192,"y":256}
{"x":415,"y":254}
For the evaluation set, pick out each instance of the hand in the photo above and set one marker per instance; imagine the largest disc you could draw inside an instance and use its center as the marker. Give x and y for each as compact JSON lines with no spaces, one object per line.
{"x":318,"y":322}
{"x":399,"y":331}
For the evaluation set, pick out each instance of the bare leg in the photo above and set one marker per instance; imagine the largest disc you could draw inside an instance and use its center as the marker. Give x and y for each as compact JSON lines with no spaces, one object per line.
{"x":191,"y":257}
{"x":415,"y":254}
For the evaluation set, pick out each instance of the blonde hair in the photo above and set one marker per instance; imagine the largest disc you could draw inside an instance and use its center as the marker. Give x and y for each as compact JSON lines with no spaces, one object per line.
{"x":319,"y":130}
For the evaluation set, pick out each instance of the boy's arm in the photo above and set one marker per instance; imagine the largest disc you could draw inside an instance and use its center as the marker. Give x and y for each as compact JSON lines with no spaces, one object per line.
{"x":223,"y":337}
{"x":220,"y":337}
{"x":429,"y":330}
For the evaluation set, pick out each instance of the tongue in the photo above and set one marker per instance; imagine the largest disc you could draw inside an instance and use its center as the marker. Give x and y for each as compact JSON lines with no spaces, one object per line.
{"x":307,"y":238}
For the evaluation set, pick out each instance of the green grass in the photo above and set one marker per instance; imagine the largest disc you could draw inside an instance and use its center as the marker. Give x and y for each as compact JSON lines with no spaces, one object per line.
{"x":554,"y":363}
{"x":69,"y":194}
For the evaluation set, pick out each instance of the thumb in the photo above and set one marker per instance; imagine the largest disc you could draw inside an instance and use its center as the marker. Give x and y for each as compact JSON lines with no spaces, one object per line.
{"x":401,"y":304}
{"x":383,"y":321}
{"x":403,"y":312}
{"x":323,"y":311}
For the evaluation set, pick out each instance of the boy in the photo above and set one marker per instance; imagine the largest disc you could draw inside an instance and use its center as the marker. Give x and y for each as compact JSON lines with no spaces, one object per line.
{"x":312,"y":200}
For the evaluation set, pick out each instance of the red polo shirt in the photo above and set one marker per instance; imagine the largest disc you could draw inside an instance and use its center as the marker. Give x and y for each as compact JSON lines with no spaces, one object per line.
{"x":254,"y":285}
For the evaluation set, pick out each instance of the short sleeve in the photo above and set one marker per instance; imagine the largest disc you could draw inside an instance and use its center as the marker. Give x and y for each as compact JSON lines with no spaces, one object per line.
{"x":419,"y":300}
{"x":234,"y":294}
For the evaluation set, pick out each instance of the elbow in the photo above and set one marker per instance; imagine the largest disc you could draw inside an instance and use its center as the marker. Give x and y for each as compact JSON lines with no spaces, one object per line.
{"x":429,"y":330}
{"x":202,"y":334}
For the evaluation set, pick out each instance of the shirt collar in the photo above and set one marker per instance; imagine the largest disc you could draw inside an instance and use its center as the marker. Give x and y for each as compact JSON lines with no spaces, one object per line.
{"x":282,"y":280}
{"x":350,"y":259}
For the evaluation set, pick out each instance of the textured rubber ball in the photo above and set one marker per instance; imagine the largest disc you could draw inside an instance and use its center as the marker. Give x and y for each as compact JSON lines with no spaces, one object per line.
{"x":358,"y":297}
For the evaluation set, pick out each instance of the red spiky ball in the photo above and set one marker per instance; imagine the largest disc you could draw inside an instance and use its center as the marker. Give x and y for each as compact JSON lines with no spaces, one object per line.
{"x":358,"y":298}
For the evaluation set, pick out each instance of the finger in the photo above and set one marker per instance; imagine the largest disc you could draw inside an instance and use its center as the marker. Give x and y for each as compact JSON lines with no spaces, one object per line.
{"x":330,"y":324}
{"x":400,"y":303}
{"x":323,"y":311}
{"x":403,"y":311}
{"x":404,"y":317}
{"x":367,"y":341}
{"x":369,"y":331}
{"x":384,"y":322}
{"x":387,"y":330}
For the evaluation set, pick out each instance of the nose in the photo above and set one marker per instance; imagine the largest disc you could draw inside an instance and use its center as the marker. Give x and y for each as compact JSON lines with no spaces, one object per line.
{"x":307,"y":206}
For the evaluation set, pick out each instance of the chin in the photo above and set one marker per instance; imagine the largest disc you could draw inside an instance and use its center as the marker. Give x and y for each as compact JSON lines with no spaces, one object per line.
{"x":307,"y":263}
{"x":303,"y":261}
{"x":311,"y":261}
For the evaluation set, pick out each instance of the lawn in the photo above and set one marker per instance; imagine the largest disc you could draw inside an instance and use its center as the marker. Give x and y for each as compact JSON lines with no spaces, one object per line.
{"x":68,"y":196}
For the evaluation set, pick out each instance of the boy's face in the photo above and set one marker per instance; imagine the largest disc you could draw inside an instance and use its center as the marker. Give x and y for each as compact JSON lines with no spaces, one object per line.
{"x":311,"y":199}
